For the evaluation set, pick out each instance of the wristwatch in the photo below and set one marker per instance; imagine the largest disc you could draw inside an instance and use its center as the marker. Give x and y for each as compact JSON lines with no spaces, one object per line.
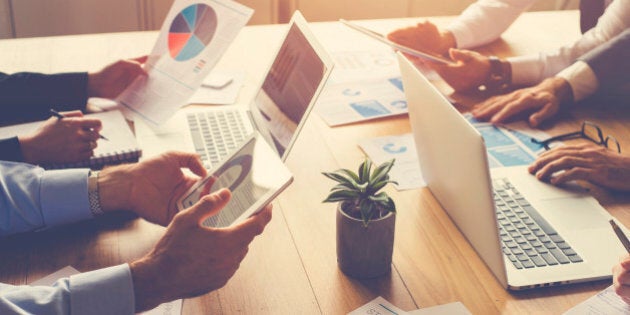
{"x":500,"y":74}
{"x":93,"y":194}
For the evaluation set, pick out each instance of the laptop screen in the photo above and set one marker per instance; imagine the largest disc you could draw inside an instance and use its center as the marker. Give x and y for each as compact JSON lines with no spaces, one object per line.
{"x":288,"y":89}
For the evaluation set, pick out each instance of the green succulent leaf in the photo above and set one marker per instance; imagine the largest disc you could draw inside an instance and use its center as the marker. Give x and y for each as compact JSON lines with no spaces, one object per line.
{"x":367,"y":209}
{"x":350,"y":174}
{"x":364,"y":170}
{"x":341,"y":195}
{"x":381,"y":172}
{"x":338,"y":178}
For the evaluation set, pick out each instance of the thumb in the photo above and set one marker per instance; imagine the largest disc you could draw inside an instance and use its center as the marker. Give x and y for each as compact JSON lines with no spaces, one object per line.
{"x":72,"y":113}
{"x":209,"y":205}
{"x":460,"y":55}
{"x":625,"y":262}
{"x":141,"y":59}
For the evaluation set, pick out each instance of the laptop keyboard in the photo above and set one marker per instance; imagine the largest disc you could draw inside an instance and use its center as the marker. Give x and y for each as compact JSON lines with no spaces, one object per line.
{"x":215,"y":134}
{"x":529,"y":241}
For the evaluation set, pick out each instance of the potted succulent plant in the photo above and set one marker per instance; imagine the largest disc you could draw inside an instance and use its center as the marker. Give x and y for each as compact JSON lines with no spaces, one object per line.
{"x":365,"y":219}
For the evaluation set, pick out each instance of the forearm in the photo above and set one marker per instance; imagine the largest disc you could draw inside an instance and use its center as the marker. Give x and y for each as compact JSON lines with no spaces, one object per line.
{"x":531,"y":69}
{"x":485,"y":20}
{"x":32,"y":199}
{"x":105,"y":291}
{"x":29,"y":96}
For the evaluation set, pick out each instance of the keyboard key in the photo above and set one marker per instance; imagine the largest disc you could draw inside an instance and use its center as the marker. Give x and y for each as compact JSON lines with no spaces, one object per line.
{"x":575,"y":258}
{"x":527,"y":264}
{"x":517,"y":265}
{"x":531,"y":252}
{"x":569,"y":252}
{"x":559,"y":256}
{"x":556,"y":238}
{"x":563,"y":245}
{"x":544,"y":225}
{"x":523,"y":257}
{"x":549,"y":259}
{"x":539,"y":262}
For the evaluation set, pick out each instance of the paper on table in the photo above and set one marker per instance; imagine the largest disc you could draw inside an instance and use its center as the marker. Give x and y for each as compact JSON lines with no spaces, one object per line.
{"x":508,"y":147}
{"x":169,"y":308}
{"x":606,"y":302}
{"x":455,"y":308}
{"x":406,"y":170}
{"x":220,"y":95}
{"x":378,"y":306}
{"x":193,"y":37}
{"x":344,"y":103}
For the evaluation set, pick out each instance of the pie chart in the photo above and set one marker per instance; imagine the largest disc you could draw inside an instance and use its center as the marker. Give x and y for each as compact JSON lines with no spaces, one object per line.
{"x":191,"y":31}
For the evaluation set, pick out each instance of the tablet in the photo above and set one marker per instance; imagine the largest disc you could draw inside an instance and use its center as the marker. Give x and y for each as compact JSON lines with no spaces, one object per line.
{"x":380,"y":37}
{"x":254,"y":174}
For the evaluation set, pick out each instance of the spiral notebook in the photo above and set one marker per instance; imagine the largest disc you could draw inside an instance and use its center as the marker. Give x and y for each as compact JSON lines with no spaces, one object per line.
{"x":122,"y":146}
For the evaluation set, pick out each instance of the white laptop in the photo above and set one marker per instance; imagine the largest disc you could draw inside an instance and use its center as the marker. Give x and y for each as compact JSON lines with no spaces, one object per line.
{"x":540,"y":235}
{"x":278,"y":111}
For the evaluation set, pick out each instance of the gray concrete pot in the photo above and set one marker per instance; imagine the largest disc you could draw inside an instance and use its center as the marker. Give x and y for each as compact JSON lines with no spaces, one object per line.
{"x":365,"y":252}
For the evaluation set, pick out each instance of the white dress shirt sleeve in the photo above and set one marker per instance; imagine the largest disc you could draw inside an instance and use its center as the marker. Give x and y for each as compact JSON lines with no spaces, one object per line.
{"x":581,"y":78}
{"x":531,"y":69}
{"x":32,"y":199}
{"x":104,"y":291}
{"x":485,"y":20}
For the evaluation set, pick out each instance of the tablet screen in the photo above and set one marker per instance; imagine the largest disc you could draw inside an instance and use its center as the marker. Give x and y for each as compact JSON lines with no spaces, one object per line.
{"x":254,"y":174}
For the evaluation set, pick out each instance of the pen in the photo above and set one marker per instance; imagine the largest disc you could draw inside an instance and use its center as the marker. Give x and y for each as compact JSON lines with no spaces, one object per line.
{"x":60,"y":116}
{"x":622,"y":237}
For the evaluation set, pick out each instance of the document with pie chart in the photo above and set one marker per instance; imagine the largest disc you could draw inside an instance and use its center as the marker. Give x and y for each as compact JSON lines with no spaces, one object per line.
{"x":193,"y":37}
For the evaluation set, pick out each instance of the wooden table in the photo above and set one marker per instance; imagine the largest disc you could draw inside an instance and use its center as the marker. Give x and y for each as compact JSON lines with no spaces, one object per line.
{"x":291,"y":268}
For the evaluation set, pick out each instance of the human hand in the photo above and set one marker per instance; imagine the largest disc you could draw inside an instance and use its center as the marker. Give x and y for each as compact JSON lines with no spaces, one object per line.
{"x":621,"y":278}
{"x":590,"y":162}
{"x":470,"y":70}
{"x":424,"y":36}
{"x":190,"y":259}
{"x":110,"y":81}
{"x":67,"y":140}
{"x":543,"y":100}
{"x":150,"y":188}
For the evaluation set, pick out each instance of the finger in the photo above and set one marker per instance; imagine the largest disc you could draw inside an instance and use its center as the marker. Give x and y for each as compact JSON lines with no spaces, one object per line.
{"x":141,"y":59}
{"x":87,"y":123}
{"x":559,"y":164}
{"x":208,"y":206}
{"x":190,"y":161}
{"x":72,"y":113}
{"x":253,"y":225}
{"x":625,"y":263}
{"x":623,"y":291}
{"x":460,"y":55}
{"x":511,"y":108}
{"x":576,"y":173}
{"x":548,"y":157}
{"x":88,"y":135}
{"x":487,"y":110}
{"x":547,"y":111}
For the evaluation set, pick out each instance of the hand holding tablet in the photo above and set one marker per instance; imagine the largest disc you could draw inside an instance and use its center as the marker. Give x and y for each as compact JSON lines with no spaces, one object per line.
{"x":380,"y":37}
{"x":254,"y":174}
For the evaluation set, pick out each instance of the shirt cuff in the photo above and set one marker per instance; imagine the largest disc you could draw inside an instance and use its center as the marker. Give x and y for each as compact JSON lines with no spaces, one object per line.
{"x":64,"y":196}
{"x":582,"y":79}
{"x":526,"y":70}
{"x":464,"y":38}
{"x":103,"y":291}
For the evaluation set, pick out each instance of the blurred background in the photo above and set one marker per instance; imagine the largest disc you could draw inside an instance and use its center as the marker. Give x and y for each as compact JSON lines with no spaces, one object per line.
{"x":30,"y":18}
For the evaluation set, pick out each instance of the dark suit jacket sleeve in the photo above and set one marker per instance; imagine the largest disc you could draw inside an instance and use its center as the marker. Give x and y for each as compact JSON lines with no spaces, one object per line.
{"x":611,"y":61}
{"x":10,"y":150}
{"x":29,"y":96}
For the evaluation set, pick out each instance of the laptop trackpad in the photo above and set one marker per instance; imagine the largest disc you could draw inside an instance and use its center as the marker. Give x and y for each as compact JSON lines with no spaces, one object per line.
{"x":573,"y":213}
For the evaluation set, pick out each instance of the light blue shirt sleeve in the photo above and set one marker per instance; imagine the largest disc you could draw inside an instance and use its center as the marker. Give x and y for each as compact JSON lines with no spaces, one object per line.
{"x":32,"y":199}
{"x":103,"y":291}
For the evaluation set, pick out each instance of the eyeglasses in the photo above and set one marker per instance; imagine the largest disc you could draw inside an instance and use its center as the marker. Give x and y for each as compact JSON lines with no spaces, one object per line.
{"x":590,"y":131}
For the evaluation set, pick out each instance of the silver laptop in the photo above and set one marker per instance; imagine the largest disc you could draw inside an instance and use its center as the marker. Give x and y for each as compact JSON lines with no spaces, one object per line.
{"x":529,"y":233}
{"x":278,"y":111}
